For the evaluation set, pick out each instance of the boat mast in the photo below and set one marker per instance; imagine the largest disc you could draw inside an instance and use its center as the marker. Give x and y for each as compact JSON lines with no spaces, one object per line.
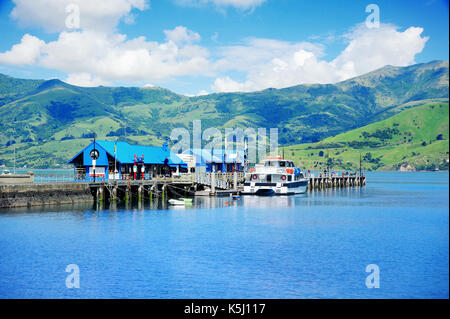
{"x":14,"y":159}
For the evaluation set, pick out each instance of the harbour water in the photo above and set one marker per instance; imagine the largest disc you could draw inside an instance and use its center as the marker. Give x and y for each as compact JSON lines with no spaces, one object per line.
{"x":47,"y":175}
{"x":315,"y":245}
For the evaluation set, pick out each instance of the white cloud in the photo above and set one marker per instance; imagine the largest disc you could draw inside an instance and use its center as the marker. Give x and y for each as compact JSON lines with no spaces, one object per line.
{"x":97,"y":15}
{"x":255,"y":52}
{"x":370,"y":49}
{"x":226,"y":84}
{"x":239,"y":4}
{"x":24,"y":53}
{"x":202,"y":92}
{"x":215,"y":36}
{"x":112,"y":57}
{"x":181,"y":35}
{"x":84,"y":79}
{"x":99,"y":55}
{"x":276,"y":64}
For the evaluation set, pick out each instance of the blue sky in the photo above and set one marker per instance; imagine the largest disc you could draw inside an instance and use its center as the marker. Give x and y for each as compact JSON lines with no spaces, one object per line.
{"x":203,"y":46}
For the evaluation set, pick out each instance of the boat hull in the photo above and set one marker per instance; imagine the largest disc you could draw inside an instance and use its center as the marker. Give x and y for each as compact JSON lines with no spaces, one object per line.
{"x":268,"y":189}
{"x":175,"y":202}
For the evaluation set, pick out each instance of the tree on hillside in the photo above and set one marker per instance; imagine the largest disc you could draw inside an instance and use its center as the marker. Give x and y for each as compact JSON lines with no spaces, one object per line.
{"x":330,"y":162}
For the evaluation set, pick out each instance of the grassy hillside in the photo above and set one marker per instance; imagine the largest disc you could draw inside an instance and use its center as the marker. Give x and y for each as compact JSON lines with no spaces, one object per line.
{"x":417,"y":137}
{"x":43,"y":120}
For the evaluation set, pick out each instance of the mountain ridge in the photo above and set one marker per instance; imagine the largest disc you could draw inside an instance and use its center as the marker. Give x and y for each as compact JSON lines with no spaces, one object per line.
{"x":414,"y":139}
{"x":46,"y":114}
{"x":440,"y":63}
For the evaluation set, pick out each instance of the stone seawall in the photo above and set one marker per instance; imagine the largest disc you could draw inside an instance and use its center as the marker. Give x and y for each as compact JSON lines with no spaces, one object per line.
{"x":44,"y":194}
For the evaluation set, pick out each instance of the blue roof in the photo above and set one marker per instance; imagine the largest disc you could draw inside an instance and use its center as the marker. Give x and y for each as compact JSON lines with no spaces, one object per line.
{"x":125,"y":153}
{"x":204,"y":156}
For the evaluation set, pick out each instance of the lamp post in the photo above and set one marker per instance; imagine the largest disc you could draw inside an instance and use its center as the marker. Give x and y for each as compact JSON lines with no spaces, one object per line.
{"x":94,"y":159}
{"x":246,"y":155}
{"x":94,"y":155}
{"x":115,"y":159}
{"x":134,"y":167}
{"x":212,"y":165}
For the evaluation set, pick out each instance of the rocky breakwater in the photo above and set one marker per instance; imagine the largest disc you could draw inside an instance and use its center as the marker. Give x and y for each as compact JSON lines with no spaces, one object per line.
{"x":44,"y":194}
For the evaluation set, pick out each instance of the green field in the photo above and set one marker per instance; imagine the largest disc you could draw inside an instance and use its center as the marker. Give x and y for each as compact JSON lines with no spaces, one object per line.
{"x":47,"y":121}
{"x":417,"y":137}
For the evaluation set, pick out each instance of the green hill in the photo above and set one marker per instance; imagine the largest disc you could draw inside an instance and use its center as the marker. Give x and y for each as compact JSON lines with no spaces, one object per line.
{"x":46,"y":120}
{"x":417,"y":137}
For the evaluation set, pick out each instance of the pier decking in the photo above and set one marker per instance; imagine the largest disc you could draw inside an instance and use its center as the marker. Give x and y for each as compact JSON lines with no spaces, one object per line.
{"x":16,"y":195}
{"x":315,"y":183}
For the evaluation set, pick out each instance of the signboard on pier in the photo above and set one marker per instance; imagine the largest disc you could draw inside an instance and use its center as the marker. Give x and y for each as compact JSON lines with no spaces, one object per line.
{"x":99,"y":171}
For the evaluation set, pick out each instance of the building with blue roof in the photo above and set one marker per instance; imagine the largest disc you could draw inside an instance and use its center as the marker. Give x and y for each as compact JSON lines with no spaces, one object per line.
{"x":128,"y":161}
{"x":217,"y":160}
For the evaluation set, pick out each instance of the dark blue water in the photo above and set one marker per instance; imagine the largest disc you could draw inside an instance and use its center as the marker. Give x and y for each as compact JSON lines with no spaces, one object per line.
{"x":310,"y":246}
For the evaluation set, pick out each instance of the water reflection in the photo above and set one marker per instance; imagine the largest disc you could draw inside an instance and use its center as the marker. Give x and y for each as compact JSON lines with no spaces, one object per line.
{"x":314,"y":245}
{"x":309,"y":199}
{"x":374,"y":194}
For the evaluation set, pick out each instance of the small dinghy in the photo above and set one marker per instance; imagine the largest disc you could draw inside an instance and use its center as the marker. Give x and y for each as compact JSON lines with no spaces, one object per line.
{"x":176,"y":202}
{"x":181,"y":202}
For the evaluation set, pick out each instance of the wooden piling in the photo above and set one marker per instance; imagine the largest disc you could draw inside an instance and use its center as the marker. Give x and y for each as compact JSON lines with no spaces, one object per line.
{"x":140,"y":190}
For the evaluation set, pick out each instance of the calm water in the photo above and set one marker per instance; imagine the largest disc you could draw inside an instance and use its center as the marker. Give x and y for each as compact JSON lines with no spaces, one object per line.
{"x":47,"y":175}
{"x":310,"y":246}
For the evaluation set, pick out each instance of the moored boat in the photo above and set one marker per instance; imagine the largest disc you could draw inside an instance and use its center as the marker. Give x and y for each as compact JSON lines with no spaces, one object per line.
{"x":181,"y":202}
{"x":275,"y":176}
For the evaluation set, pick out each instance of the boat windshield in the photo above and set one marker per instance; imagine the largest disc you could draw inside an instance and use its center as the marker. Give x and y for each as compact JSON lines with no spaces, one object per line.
{"x":271,"y":164}
{"x":279,"y":164}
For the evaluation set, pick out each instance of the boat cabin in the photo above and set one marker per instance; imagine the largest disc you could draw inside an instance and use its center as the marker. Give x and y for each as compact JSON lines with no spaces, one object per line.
{"x":275,"y":170}
{"x":278,"y":163}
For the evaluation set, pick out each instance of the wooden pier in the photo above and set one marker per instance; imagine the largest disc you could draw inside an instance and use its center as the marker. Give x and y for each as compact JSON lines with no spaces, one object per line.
{"x":315,"y":183}
{"x":197,"y":184}
{"x":186,"y":185}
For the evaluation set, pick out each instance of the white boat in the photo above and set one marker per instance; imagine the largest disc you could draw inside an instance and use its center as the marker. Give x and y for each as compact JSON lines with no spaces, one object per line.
{"x":275,"y":176}
{"x":180,"y":202}
{"x":176,"y":202}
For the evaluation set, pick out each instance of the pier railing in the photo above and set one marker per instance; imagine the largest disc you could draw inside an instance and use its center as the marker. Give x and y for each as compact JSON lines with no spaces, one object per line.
{"x":223,"y":181}
{"x":53,"y":177}
{"x":335,"y":181}
{"x":220,"y":180}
